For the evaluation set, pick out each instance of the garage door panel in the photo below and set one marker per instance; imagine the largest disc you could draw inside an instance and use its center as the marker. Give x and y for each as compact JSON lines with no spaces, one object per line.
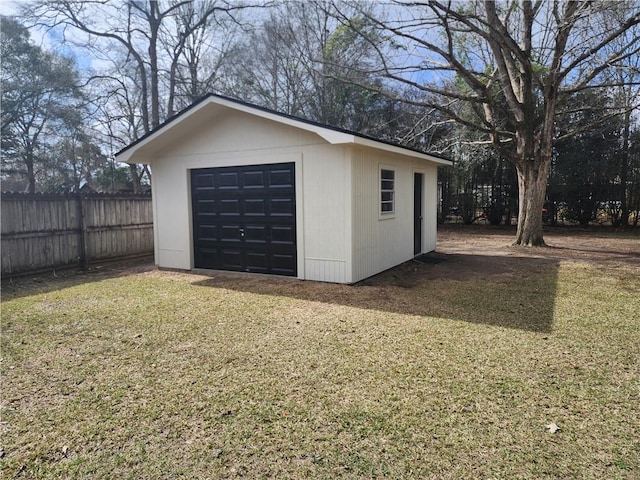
{"x":231,"y":259}
{"x":282,"y":263}
{"x":255,"y":207}
{"x":208,"y":233}
{"x":230,"y":207}
{"x":281,"y":178}
{"x":282,"y":207}
{"x":230,"y":233}
{"x":205,"y":180}
{"x":256,"y":234}
{"x":253,"y":179}
{"x":244,"y":218}
{"x":283,"y":235}
{"x":207,"y":256}
{"x":258,"y":261}
{"x":228,"y":180}
{"x":206,"y":206}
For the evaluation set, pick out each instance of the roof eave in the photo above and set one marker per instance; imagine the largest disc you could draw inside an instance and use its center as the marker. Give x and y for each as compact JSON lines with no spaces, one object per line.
{"x":126,"y":154}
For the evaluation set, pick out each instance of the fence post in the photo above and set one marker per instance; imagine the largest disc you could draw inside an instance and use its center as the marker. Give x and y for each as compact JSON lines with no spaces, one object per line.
{"x":84,"y":245}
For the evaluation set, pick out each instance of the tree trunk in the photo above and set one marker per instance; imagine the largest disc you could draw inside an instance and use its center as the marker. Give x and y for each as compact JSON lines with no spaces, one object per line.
{"x":31,"y":175}
{"x":154,"y":26}
{"x":31,"y":179}
{"x":532,"y":187}
{"x":624,"y":206}
{"x":135,"y":177}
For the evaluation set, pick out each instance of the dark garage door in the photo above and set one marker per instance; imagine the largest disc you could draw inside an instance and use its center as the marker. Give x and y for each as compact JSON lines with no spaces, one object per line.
{"x":244,"y":218}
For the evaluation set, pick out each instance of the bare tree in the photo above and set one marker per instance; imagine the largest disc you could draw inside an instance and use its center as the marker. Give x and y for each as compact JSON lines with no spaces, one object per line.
{"x":145,"y":43}
{"x":199,"y":48}
{"x":515,"y":64}
{"x":301,"y":61}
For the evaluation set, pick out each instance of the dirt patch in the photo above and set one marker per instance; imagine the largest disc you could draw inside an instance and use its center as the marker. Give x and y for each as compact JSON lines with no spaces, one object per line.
{"x":467,"y":252}
{"x":595,"y":245}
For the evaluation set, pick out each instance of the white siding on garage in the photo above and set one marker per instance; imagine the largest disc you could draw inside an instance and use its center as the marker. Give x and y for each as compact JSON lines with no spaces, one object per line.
{"x":239,"y":139}
{"x":327,"y":209}
{"x":172,"y":215}
{"x":322,"y":190}
{"x":238,"y":131}
{"x":384,"y":241}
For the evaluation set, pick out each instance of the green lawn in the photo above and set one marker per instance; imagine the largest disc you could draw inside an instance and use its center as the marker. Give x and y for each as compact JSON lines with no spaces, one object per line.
{"x":168,"y":375}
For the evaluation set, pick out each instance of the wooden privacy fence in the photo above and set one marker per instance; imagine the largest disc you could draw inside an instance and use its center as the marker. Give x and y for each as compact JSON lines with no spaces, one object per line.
{"x":44,"y":232}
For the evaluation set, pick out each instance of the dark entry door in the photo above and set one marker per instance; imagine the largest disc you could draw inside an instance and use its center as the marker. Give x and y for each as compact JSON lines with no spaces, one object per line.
{"x":244,"y":218}
{"x":417,"y":213}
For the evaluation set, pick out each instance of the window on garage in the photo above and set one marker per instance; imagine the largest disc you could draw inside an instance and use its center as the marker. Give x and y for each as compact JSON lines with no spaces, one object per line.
{"x":387,"y":191}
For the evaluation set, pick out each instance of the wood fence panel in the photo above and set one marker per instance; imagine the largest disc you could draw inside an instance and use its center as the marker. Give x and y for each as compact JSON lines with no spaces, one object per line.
{"x":118,"y":227}
{"x":44,"y":232}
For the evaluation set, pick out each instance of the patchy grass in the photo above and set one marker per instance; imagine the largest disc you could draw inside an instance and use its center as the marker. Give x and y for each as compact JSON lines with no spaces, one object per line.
{"x":170,"y":375}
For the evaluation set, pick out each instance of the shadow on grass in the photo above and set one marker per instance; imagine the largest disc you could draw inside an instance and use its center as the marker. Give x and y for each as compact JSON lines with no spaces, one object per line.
{"x":26,"y":285}
{"x":511,"y":292}
{"x":501,"y":291}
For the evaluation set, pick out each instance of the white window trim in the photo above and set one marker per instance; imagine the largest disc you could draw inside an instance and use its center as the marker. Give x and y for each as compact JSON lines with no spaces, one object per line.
{"x":391,"y":214}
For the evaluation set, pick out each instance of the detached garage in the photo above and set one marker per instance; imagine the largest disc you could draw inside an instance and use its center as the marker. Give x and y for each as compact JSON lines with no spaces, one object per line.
{"x":242,"y":188}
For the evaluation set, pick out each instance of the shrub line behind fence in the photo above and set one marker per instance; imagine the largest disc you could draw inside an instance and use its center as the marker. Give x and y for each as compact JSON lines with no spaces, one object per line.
{"x":43,"y":232}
